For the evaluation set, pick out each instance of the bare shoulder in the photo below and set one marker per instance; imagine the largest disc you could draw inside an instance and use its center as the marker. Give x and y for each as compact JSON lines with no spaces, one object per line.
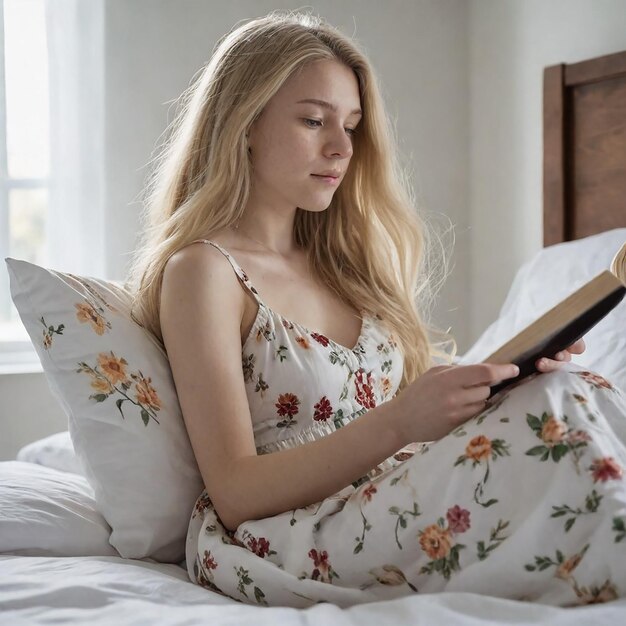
{"x":201,"y":269}
{"x":202,"y":304}
{"x":200,"y":277}
{"x":201,"y":308}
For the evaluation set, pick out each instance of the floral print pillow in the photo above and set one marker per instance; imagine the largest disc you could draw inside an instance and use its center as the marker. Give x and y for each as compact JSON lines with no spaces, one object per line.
{"x":114,"y":382}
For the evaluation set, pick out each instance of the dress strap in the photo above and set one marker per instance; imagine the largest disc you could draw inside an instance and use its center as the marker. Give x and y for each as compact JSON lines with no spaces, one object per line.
{"x":243,"y":277}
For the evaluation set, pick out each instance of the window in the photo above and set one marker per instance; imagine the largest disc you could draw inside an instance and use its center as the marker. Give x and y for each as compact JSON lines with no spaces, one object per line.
{"x":24,"y":156}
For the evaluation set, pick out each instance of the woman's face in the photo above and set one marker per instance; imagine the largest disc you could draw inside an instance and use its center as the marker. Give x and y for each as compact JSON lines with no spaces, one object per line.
{"x":302,"y":141}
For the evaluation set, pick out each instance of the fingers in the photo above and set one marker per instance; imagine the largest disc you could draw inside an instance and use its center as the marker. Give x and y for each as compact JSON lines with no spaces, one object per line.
{"x":578,"y":347}
{"x":476,"y":408}
{"x":548,"y":365}
{"x":486,"y":373}
{"x":476,"y":395}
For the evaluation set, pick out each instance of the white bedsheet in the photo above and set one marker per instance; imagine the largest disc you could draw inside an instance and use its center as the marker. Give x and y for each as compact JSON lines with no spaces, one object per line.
{"x":112,"y":590}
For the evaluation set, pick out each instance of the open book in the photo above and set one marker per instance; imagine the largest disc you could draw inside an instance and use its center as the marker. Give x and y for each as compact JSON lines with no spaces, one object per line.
{"x":564,"y":323}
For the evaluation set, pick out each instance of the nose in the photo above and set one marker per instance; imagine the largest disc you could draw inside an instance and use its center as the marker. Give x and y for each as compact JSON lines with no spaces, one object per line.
{"x":339,"y":144}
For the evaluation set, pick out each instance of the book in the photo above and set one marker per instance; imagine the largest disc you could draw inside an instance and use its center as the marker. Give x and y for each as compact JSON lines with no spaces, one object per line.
{"x":564,"y":323}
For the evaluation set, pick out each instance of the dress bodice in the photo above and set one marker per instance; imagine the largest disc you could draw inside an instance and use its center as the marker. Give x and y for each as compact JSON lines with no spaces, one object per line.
{"x":302,"y":385}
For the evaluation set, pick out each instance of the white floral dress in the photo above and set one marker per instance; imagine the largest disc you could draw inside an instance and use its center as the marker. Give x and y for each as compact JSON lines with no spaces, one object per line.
{"x":525,"y":501}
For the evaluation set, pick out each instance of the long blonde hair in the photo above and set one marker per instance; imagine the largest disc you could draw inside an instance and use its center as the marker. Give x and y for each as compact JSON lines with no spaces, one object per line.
{"x":370,"y":244}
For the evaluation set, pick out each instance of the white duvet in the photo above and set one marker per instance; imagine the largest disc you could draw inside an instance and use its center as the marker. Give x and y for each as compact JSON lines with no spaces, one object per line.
{"x":112,"y":590}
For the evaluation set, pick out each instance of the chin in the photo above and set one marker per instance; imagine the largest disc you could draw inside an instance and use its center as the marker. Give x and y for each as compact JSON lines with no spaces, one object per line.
{"x":315,"y":206}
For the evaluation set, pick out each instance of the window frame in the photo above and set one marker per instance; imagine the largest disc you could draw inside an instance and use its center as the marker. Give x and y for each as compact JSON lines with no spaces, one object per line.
{"x":15,"y":355}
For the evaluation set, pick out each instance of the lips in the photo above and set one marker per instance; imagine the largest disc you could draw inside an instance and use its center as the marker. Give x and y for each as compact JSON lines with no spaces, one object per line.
{"x":327,"y":180}
{"x":328,"y":174}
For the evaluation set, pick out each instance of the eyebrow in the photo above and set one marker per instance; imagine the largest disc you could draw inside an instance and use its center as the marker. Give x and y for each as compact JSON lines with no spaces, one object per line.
{"x":327,"y":105}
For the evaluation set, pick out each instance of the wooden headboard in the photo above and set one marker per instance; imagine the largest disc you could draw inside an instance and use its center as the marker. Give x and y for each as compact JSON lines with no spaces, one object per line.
{"x":584,"y":148}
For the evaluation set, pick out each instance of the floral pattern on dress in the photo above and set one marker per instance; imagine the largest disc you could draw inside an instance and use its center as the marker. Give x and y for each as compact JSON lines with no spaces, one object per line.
{"x":480,"y":450}
{"x":438,"y":542}
{"x":323,"y":410}
{"x":533,"y":487}
{"x":322,"y":569}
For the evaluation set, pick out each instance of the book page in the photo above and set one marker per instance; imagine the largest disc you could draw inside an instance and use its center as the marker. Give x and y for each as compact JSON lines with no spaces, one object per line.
{"x":618,"y":265}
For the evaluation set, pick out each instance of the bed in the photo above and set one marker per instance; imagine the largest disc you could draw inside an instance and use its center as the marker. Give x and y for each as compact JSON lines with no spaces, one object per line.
{"x":57,"y":563}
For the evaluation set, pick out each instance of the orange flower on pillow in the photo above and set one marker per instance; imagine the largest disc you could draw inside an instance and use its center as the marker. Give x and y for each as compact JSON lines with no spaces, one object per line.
{"x":85,"y":312}
{"x":145,"y":393}
{"x":102,"y":385}
{"x":113,"y":368}
{"x":112,"y":371}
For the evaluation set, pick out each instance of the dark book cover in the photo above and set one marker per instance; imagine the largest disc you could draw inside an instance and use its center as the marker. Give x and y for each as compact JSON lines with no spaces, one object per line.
{"x":562,"y":338}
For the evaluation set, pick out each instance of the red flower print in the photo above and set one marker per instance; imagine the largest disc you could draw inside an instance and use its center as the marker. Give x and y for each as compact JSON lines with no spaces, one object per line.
{"x":385,"y":386}
{"x":599,"y":382}
{"x":322,"y":566}
{"x":260,"y":546}
{"x":403,"y":455}
{"x":208,"y":561}
{"x":320,"y":339}
{"x":368,"y":492}
{"x":202,"y":503}
{"x":318,"y":558}
{"x":458,"y":519}
{"x":303,"y":342}
{"x":577,"y":436}
{"x":287,"y":404}
{"x":364,"y":389}
{"x":323,"y":410}
{"x":288,"y":325}
{"x":606,"y":469}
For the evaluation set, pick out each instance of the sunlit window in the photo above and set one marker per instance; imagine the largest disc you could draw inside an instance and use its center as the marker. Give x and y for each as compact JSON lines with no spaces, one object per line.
{"x":24,"y":148}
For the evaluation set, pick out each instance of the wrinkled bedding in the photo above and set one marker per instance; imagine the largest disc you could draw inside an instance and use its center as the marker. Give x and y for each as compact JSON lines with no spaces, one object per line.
{"x":101,"y":591}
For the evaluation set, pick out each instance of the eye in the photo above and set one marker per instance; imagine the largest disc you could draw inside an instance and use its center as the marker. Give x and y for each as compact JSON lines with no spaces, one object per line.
{"x":312,"y":123}
{"x":351,"y":131}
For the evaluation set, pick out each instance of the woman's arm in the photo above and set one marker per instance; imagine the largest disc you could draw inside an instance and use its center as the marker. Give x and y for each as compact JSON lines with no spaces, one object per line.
{"x":265,"y":485}
{"x":202,"y":306}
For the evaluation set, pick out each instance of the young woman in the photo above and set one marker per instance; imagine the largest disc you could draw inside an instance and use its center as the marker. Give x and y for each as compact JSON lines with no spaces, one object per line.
{"x":283,"y":269}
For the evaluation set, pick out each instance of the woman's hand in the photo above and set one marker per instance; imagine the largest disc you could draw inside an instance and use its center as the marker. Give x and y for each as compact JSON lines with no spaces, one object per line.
{"x":444,"y":397}
{"x":549,"y":365}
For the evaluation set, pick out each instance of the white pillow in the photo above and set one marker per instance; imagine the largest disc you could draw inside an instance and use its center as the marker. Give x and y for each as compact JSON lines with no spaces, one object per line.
{"x":55,"y":451}
{"x":114,"y":382}
{"x":546,"y":279}
{"x":46,"y":512}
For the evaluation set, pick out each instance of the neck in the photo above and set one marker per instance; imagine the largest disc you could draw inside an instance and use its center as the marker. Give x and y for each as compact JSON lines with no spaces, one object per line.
{"x":268,"y":227}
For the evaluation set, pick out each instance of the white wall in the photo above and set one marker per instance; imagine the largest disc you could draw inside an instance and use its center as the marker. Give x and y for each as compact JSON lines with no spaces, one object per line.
{"x":511,"y":42}
{"x":463,"y":80}
{"x":28,"y":411}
